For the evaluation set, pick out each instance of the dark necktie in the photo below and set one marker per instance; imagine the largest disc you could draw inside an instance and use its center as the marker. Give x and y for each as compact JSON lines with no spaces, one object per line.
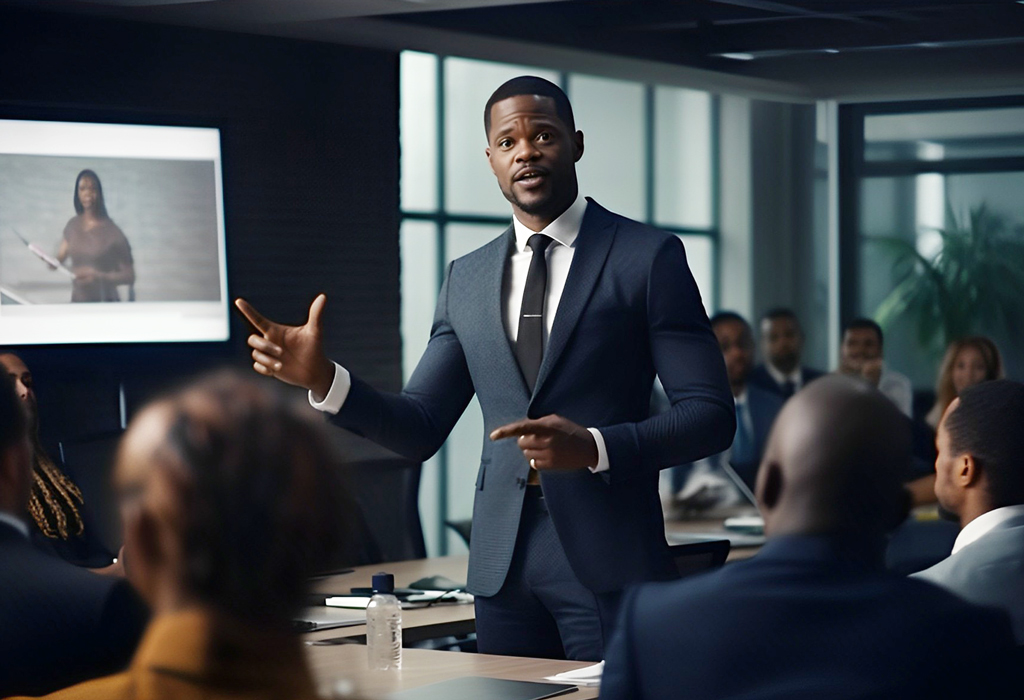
{"x":530,"y":340}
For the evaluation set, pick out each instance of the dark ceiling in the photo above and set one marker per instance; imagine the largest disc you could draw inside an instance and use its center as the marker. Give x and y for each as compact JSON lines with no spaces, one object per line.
{"x":806,"y":42}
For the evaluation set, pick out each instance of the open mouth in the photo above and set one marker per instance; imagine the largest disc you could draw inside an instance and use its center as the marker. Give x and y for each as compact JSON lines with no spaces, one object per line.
{"x":531,"y":177}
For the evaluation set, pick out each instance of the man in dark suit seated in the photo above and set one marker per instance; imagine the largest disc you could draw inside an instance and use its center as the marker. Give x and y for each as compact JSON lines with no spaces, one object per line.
{"x":980,"y":479}
{"x":814,"y":614}
{"x":704,"y":484}
{"x":59,"y":624}
{"x":782,"y":345}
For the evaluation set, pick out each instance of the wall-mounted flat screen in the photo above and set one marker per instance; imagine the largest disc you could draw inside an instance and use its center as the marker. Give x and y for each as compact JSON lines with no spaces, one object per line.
{"x":110,"y":233}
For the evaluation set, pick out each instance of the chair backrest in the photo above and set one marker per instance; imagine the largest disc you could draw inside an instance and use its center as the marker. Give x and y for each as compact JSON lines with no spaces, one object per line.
{"x":89,"y":461}
{"x":695,"y":557}
{"x":386,"y":488}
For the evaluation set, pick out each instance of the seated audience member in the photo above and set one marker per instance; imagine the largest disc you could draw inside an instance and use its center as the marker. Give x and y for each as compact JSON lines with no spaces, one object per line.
{"x":782,"y":343}
{"x":704,"y":483}
{"x":229,"y":501}
{"x":814,"y":614}
{"x":60,"y":524}
{"x":980,"y":479}
{"x":59,"y":624}
{"x":967,"y":362}
{"x":861,"y":355}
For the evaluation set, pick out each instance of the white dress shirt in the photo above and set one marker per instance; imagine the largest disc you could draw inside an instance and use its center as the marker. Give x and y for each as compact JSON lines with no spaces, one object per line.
{"x":898,"y":389}
{"x":559,"y":253}
{"x":984,"y":524}
{"x":14,"y":521}
{"x":796,"y":376}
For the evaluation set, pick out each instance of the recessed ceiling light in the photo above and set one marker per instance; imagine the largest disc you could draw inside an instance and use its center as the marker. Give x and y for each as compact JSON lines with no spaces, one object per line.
{"x":738,"y":56}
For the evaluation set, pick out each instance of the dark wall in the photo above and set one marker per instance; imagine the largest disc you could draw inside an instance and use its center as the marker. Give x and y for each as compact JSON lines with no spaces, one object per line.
{"x":310,"y":155}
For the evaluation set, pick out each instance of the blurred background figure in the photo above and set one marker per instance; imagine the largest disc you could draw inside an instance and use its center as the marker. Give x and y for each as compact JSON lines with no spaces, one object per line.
{"x":705,"y":484}
{"x":862,"y":355}
{"x":782,"y":344}
{"x":230,"y":504}
{"x":59,"y":624}
{"x":980,"y":480}
{"x":967,"y":362}
{"x":60,"y":521}
{"x":814,"y":614}
{"x":101,"y":257}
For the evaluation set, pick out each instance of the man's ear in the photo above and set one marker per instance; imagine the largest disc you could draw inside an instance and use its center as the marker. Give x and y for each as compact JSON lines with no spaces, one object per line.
{"x":487,"y":151}
{"x":967,"y":472}
{"x":771,"y":486}
{"x":577,"y":142}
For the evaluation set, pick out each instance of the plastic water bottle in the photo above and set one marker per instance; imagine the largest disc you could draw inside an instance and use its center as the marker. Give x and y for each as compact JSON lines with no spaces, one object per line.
{"x":384,"y":625}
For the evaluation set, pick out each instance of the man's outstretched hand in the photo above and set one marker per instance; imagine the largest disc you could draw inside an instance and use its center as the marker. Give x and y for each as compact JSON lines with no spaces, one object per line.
{"x":552,"y":443}
{"x":293,"y":354}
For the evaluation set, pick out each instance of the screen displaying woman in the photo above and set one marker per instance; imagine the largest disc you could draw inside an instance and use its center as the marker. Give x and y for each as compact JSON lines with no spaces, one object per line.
{"x":100,"y":254}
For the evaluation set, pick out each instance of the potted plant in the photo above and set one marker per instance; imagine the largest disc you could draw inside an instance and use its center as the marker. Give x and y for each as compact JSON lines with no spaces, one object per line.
{"x":974,"y":284}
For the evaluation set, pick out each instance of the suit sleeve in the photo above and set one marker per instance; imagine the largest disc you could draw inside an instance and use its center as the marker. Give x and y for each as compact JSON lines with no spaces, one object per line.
{"x":619,"y":678}
{"x":702,"y":417}
{"x":416,"y":422}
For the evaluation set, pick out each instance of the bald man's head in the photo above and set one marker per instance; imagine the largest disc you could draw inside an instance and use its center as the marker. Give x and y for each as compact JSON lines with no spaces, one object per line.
{"x":834,"y":462}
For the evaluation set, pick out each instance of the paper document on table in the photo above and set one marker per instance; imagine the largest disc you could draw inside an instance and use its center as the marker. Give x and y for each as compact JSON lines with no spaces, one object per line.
{"x":411,"y":602}
{"x":587,"y":676}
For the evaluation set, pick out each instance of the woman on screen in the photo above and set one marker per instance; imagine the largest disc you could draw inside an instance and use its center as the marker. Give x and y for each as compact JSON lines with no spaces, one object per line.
{"x":101,"y":257}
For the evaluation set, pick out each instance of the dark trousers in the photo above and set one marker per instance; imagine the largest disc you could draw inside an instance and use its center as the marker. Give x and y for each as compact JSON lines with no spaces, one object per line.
{"x":542,"y":609}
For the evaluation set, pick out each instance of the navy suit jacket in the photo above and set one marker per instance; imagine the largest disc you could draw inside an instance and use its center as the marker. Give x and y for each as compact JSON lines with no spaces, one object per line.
{"x":764,"y":407}
{"x":60,"y":624}
{"x":805,"y":619}
{"x":630,"y":309}
{"x":760,"y":377}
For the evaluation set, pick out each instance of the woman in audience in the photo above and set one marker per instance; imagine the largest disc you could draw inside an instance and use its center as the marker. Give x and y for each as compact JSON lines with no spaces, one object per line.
{"x":101,"y":257}
{"x":59,"y":522}
{"x":968,"y":361}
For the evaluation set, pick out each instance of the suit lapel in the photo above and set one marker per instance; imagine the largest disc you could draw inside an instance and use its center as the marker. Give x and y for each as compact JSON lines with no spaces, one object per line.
{"x":492,"y":311}
{"x":592,"y":245}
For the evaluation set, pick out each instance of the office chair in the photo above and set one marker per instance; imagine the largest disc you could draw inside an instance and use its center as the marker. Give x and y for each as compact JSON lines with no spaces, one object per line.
{"x":696,"y":557}
{"x":89,"y":461}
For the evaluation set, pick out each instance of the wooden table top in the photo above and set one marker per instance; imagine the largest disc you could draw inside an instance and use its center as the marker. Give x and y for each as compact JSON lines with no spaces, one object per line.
{"x":342,"y":671}
{"x":417,"y":624}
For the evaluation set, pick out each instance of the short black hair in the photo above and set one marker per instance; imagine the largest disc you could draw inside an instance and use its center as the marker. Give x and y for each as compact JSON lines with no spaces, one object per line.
{"x":13,"y":419}
{"x":863,"y":322}
{"x":723,"y":316}
{"x":780,"y":312}
{"x":987,"y":426}
{"x":531,"y":85}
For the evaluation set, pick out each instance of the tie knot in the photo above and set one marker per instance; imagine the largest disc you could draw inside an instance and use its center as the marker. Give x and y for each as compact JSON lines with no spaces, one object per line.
{"x":538,"y":242}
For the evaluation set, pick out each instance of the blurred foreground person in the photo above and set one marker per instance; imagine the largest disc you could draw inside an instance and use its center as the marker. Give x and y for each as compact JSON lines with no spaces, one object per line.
{"x":968,"y":361}
{"x":60,"y":522}
{"x":980,"y":479}
{"x":814,"y":614}
{"x":229,"y":507}
{"x":59,"y":624}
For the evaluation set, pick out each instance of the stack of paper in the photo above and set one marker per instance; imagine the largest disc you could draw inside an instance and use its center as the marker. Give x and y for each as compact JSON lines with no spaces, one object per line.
{"x":586,"y":676}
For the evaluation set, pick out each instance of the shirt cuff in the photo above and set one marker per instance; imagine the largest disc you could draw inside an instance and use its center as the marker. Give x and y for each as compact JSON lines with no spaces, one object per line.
{"x":337,"y":394}
{"x":602,"y":452}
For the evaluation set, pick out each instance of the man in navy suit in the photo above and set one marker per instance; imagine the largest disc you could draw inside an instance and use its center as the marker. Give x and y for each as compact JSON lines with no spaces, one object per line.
{"x":705,"y":483}
{"x":782,"y":345}
{"x":980,"y":480}
{"x":559,"y":326}
{"x":814,"y":614}
{"x":59,"y":624}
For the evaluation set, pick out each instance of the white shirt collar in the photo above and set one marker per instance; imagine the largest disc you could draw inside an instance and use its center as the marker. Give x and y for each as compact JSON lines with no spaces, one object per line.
{"x":741,"y":400}
{"x":564,"y":229}
{"x":984,"y":524}
{"x":795,"y":376}
{"x":14,"y":521}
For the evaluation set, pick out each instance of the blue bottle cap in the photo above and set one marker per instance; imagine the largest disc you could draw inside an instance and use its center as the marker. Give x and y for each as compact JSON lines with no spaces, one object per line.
{"x":383,"y":583}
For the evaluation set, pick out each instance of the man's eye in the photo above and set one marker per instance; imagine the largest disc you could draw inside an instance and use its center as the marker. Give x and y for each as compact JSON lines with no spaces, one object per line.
{"x":544,"y":136}
{"x":505,"y":143}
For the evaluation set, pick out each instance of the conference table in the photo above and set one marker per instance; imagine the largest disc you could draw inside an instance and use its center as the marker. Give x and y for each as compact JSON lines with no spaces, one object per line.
{"x":338,"y":656}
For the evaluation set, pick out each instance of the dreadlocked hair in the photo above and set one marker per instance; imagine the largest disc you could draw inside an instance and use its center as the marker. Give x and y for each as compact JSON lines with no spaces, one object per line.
{"x":55,"y":498}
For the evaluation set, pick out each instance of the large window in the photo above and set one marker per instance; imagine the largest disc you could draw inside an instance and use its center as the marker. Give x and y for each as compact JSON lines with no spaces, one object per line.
{"x":650,"y":155}
{"x":933,"y":226}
